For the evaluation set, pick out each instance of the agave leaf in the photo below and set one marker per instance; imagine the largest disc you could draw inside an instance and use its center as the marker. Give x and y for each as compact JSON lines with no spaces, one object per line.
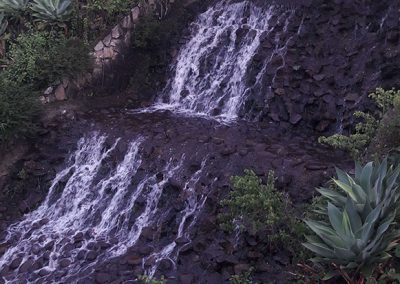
{"x":320,"y":249}
{"x":360,"y":193}
{"x":342,"y":176}
{"x":358,"y":169}
{"x":355,"y":220}
{"x":347,"y":225}
{"x":335,"y":217}
{"x":344,"y":254}
{"x":365,"y":176}
{"x":346,"y":188}
{"x":333,"y":196}
{"x":325,"y":233}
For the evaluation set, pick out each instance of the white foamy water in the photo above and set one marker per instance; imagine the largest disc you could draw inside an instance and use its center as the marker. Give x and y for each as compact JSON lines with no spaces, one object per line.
{"x":210,"y":73}
{"x":86,"y":218}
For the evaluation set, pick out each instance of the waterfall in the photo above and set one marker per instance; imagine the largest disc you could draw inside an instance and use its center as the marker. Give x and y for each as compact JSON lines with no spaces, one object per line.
{"x":211,"y":73}
{"x":86,"y":218}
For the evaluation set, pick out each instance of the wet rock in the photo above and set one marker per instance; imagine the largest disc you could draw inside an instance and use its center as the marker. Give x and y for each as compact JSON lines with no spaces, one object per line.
{"x":81,"y":254}
{"x":145,"y":250}
{"x":165,"y":265}
{"x":15,"y":263}
{"x":78,"y":237}
{"x":182,"y":240}
{"x":228,"y":150}
{"x":295,"y":118}
{"x":44,"y":272}
{"x":103,"y":277}
{"x":27,"y":266}
{"x":134,"y":259}
{"x":91,"y":255}
{"x":186,"y":279}
{"x":65,"y":262}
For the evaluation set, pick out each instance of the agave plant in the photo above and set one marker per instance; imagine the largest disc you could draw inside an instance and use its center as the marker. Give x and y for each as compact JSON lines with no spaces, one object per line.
{"x":52,"y":10}
{"x":356,"y":233}
{"x":13,"y":6}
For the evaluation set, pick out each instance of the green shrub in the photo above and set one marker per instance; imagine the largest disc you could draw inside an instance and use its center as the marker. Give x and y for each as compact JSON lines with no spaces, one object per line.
{"x":384,"y":98}
{"x":40,"y":59}
{"x":358,"y":142}
{"x":357,"y":232}
{"x":255,"y":208}
{"x":111,"y":7}
{"x":19,"y":110}
{"x":374,"y":136}
{"x":151,"y":280}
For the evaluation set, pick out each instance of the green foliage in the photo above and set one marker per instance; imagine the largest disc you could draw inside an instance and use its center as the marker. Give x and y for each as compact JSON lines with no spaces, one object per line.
{"x":252,"y":205}
{"x":385,"y":98}
{"x":18,"y":111}
{"x":259,"y":209}
{"x":41,"y":58}
{"x":148,"y":33}
{"x":111,"y":7}
{"x":365,"y":131}
{"x":244,"y":278}
{"x":151,"y":280}
{"x":355,"y":143}
{"x":357,"y":234}
{"x":52,"y":10}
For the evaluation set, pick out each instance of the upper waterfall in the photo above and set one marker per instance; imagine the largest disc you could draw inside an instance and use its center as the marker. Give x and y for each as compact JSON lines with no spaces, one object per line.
{"x":211,"y":73}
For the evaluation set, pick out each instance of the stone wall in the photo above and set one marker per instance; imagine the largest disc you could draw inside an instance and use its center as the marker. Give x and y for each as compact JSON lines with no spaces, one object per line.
{"x":106,"y":53}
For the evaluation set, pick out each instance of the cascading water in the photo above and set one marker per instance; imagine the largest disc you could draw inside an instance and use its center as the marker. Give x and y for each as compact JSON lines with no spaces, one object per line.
{"x":87,"y":217}
{"x":211,"y":73}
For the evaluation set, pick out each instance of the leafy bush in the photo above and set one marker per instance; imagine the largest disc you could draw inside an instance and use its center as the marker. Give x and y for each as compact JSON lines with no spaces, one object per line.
{"x":357,"y":232}
{"x":18,"y":111}
{"x":151,"y":280}
{"x":355,"y":143}
{"x":384,"y":98}
{"x":41,"y":58}
{"x":380,"y":135}
{"x":255,"y":208}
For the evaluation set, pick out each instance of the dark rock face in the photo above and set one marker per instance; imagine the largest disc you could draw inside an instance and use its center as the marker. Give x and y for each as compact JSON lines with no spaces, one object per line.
{"x":333,"y":53}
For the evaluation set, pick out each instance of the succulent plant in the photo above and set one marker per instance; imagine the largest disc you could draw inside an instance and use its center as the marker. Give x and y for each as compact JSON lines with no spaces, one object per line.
{"x":52,"y":10}
{"x":357,"y":233}
{"x":13,"y":6}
